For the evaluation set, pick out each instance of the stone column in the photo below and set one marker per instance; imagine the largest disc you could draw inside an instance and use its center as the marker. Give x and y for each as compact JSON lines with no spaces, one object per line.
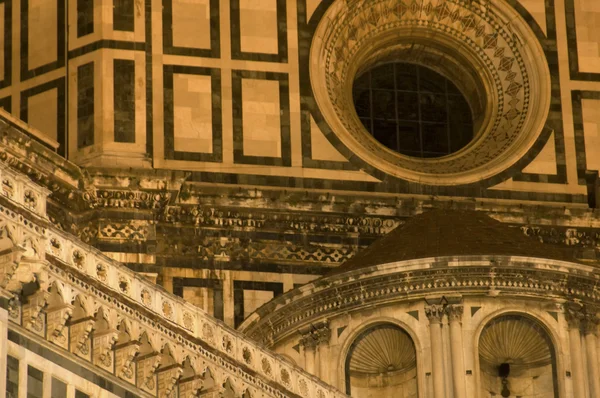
{"x":315,"y":341}
{"x":455,"y":313}
{"x":590,"y":331}
{"x":573,"y":317}
{"x":324,"y":334}
{"x":435,"y":313}
{"x":309,"y":348}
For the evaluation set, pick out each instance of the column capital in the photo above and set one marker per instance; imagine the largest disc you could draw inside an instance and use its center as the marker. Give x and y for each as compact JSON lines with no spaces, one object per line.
{"x":455,"y":312}
{"x":315,"y":335}
{"x":435,"y":313}
{"x":574,"y":316}
{"x":589,"y":324}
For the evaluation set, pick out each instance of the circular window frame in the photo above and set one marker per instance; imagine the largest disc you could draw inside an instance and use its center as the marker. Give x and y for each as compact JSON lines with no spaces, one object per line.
{"x":510,"y":124}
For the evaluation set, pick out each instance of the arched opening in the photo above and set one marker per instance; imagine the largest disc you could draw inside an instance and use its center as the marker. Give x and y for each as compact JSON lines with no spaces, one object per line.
{"x":517,"y":359}
{"x":382,"y":362}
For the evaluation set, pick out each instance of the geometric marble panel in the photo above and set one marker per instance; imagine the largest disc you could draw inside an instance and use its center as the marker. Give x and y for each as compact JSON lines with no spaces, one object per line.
{"x":537,"y":9}
{"x":42,"y":112}
{"x":192,"y":108}
{"x":258,"y":37}
{"x":545,"y":162}
{"x":253,"y":299}
{"x":191,"y":23}
{"x":261,"y":118}
{"x":311,"y":6}
{"x":321,"y":148}
{"x":42,"y":32}
{"x":587,"y":15}
{"x":591,"y":130}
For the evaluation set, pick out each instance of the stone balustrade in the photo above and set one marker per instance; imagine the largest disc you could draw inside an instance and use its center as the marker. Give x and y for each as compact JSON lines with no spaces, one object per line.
{"x":77,"y":298}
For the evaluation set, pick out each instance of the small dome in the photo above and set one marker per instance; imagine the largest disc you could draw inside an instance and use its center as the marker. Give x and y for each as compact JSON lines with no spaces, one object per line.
{"x":444,"y":233}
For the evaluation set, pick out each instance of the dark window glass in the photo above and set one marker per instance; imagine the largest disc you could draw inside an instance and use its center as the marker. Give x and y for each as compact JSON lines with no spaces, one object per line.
{"x":35,"y":383}
{"x":413,"y":110}
{"x":59,"y":389}
{"x":12,"y":377}
{"x":79,"y":394}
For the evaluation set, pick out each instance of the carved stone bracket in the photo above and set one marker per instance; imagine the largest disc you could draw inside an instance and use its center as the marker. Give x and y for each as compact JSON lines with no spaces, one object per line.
{"x":146,"y":372}
{"x":56,"y":318}
{"x":167,"y":380}
{"x":124,"y":356}
{"x":9,"y":261}
{"x":32,"y":311}
{"x":80,"y":336}
{"x":190,"y":387}
{"x":103,"y":348}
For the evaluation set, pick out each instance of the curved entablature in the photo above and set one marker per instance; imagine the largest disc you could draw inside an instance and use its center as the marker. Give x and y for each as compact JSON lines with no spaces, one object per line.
{"x":412,"y":280}
{"x":485,"y":48}
{"x":98,"y":310}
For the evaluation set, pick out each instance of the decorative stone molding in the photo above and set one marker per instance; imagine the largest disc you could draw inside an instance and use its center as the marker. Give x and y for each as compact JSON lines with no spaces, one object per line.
{"x":508,"y":276}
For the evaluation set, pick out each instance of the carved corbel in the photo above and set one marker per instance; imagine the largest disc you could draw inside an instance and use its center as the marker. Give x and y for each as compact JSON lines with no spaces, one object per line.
{"x":80,"y":337}
{"x":103,"y":348}
{"x":24,"y":272}
{"x":146,"y":371}
{"x":33,"y":318}
{"x":124,"y":356}
{"x":56,"y":319}
{"x":190,"y":387}
{"x":213,"y":392}
{"x":9,"y":261}
{"x":167,"y":380}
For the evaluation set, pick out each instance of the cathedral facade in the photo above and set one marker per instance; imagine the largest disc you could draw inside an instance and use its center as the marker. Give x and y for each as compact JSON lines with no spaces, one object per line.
{"x":299,"y":198}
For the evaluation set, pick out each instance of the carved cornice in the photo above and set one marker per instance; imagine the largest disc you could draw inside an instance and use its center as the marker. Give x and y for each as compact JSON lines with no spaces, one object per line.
{"x":496,"y":275}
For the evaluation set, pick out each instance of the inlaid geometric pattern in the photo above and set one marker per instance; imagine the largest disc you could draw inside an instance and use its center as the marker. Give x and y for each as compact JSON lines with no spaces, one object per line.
{"x":545,"y":162}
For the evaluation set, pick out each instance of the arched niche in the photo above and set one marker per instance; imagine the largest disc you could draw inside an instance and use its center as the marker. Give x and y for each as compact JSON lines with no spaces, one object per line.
{"x":517,"y":358}
{"x":382,"y":362}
